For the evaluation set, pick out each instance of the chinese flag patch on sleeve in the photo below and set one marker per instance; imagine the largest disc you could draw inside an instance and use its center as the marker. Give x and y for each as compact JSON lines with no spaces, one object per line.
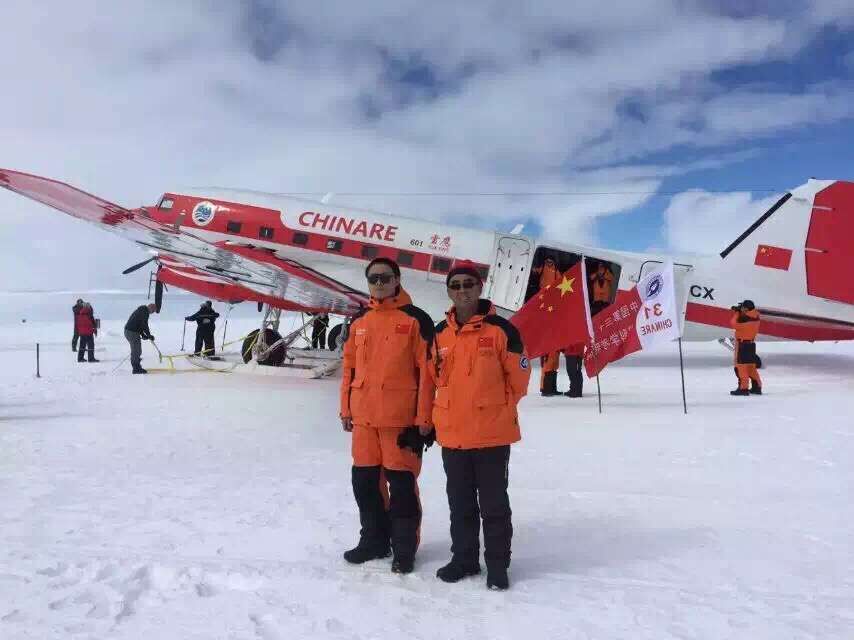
{"x":773,"y":257}
{"x":486,"y":342}
{"x":402,"y":328}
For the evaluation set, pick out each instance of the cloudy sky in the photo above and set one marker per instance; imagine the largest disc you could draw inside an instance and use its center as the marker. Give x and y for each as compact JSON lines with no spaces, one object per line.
{"x":629,"y":124}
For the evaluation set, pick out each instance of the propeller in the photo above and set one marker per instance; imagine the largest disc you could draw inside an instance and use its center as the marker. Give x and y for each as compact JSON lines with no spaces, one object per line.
{"x":139,"y":265}
{"x":158,"y":295}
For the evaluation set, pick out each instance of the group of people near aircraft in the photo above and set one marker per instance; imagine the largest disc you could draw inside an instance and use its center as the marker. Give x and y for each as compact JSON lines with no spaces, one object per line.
{"x":408,"y":383}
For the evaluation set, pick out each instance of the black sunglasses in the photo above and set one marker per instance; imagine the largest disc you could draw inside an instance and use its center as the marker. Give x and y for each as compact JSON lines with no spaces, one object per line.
{"x":468,"y":284}
{"x":376,"y":278}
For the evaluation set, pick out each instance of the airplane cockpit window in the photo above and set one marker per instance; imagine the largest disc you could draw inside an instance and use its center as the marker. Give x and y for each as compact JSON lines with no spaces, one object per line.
{"x":369,"y":252}
{"x":300,"y":238}
{"x":166,"y":203}
{"x":404,"y":258}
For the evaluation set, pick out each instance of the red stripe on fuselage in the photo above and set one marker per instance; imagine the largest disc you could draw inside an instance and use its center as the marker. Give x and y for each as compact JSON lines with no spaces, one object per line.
{"x":252,"y":218}
{"x":812,"y":329}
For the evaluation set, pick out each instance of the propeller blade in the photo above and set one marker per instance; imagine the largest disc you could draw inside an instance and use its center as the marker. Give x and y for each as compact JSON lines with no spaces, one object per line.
{"x":133,"y":268}
{"x":158,"y":295}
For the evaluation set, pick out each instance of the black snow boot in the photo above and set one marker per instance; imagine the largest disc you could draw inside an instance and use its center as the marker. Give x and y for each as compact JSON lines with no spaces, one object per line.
{"x":739,"y":392}
{"x":550,"y":385}
{"x":361,"y":553}
{"x":402,"y":564}
{"x":497,"y":579}
{"x":456,"y":570}
{"x":755,"y":389}
{"x":374,"y":534}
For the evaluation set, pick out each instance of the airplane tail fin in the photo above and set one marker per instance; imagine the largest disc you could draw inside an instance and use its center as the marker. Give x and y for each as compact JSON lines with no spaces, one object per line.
{"x":805,"y":240}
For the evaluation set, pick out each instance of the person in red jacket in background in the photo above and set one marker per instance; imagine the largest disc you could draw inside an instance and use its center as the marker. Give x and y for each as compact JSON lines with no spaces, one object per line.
{"x":574,"y":355}
{"x":86,"y":329}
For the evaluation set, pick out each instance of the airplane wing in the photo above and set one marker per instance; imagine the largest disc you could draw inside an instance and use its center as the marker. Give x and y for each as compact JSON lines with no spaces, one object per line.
{"x":222,"y":270}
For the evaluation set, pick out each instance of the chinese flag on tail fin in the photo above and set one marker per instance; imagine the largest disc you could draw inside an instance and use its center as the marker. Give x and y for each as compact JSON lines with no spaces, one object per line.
{"x":773,"y":257}
{"x":557,"y":316}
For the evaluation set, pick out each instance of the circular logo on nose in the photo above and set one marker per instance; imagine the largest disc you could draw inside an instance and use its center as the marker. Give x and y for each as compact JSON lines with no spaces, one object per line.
{"x":203,"y":213}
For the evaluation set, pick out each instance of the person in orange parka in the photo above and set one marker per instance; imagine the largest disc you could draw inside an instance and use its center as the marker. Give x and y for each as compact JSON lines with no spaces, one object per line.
{"x":745,"y":321}
{"x":549,"y":363}
{"x":386,"y":399}
{"x":481,"y":374}
{"x":549,"y":273}
{"x":603,"y":280}
{"x":574,"y":355}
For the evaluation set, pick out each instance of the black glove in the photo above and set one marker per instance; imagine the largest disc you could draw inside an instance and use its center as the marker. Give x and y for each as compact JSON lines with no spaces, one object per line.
{"x":411,"y":438}
{"x":151,"y":338}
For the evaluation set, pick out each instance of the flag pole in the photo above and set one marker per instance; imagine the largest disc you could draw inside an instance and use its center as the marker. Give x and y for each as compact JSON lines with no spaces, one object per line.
{"x":682,"y":372}
{"x":599,"y":393}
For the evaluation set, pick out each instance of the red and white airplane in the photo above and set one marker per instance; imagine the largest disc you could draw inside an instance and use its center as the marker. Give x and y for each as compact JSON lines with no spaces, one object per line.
{"x":796,"y":261}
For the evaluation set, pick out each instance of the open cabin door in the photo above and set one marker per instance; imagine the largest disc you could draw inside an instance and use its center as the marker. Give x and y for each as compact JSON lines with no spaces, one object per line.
{"x":508,"y":274}
{"x":680,"y":277}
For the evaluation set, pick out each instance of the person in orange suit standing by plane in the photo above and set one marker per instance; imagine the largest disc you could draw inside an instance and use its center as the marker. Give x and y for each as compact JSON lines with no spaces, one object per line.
{"x":745,"y":322}
{"x":549,"y":363}
{"x":603,"y":281}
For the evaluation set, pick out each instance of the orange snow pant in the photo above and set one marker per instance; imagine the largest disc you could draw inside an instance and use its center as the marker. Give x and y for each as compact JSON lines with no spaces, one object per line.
{"x":549,"y":363}
{"x":745,"y":364}
{"x":385,"y":485}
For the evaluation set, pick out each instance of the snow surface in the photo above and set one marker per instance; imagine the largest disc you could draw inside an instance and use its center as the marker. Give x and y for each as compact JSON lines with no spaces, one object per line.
{"x":208,"y":505}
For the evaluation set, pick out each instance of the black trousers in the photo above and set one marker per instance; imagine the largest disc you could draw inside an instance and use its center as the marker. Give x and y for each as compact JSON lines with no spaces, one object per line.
{"x":74,"y":339}
{"x":318,"y":334}
{"x":205,"y":339}
{"x":573,"y":370}
{"x":477,"y":489}
{"x":87,"y":343}
{"x":400,"y":522}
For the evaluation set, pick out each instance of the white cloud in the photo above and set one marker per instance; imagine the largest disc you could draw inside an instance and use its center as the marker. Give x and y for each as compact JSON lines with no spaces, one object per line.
{"x":702,"y":222}
{"x":129,"y":101}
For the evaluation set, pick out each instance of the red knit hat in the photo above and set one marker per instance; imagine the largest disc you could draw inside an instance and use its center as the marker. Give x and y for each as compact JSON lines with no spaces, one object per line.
{"x":464,"y":267}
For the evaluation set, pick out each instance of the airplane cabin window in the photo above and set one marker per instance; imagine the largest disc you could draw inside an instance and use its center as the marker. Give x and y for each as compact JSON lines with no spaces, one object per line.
{"x":370,"y":252}
{"x":265,"y":232}
{"x":300,"y":238}
{"x":334,"y":245}
{"x":603,"y":277}
{"x":233,"y":226}
{"x":440,"y":265}
{"x":404,"y":258}
{"x":166,"y":203}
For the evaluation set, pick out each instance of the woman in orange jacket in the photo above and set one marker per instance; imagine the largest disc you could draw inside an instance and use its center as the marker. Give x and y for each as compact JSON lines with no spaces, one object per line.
{"x":481,"y":374}
{"x":745,"y":321}
{"x":386,"y":395}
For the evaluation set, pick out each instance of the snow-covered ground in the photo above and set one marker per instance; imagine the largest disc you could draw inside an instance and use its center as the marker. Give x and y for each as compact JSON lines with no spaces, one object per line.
{"x":201,"y":505}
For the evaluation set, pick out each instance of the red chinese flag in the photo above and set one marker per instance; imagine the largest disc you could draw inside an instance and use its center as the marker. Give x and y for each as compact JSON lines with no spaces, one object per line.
{"x":614,"y":332}
{"x":557,"y":316}
{"x":773,"y":257}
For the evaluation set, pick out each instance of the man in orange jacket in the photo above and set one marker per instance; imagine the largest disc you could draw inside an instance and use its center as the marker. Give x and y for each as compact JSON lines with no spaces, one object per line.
{"x":386,"y":395}
{"x":745,"y":321}
{"x":549,"y":363}
{"x":481,"y":374}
